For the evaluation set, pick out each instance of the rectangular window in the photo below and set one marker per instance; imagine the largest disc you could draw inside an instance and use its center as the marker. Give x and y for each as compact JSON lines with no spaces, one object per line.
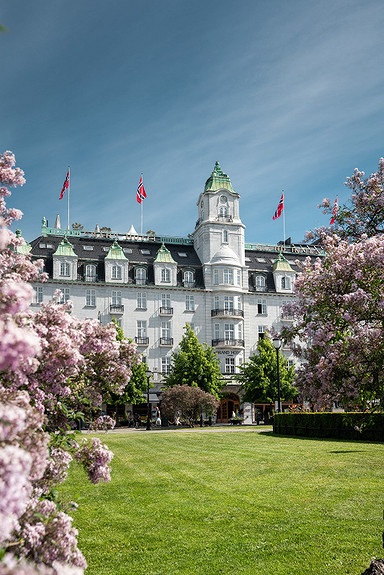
{"x":64,"y":297}
{"x":216,"y":277}
{"x":141,"y":300}
{"x":189,"y":303}
{"x":229,"y":365}
{"x":165,"y":329}
{"x":116,"y":272}
{"x":65,"y":270}
{"x":165,"y":300}
{"x":239,"y":306}
{"x":38,"y":297}
{"x":228,"y":302}
{"x":262,"y":307}
{"x":165,"y":365}
{"x":116,"y":298}
{"x":238,"y":277}
{"x":141,"y":328}
{"x":261,"y":331}
{"x":217,"y":302}
{"x":240,"y":331}
{"x":165,"y":275}
{"x":90,"y":298}
{"x":217,"y":331}
{"x":88,"y":248}
{"x":228,"y":276}
{"x":229,"y":332}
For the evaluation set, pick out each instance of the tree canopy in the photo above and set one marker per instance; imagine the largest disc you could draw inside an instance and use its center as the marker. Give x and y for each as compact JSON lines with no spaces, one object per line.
{"x":338,"y":330}
{"x":195,"y":364}
{"x":259,"y":375}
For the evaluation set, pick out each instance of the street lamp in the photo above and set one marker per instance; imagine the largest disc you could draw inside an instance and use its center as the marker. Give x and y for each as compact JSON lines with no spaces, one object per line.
{"x":277,"y":346}
{"x":148,"y":373}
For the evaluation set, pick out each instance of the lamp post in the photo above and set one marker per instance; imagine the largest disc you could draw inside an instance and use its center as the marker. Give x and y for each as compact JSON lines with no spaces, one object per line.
{"x":277,"y":346}
{"x":148,"y":374}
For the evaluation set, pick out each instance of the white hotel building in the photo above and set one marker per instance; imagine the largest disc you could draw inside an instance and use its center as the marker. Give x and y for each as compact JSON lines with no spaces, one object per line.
{"x":228,"y":290}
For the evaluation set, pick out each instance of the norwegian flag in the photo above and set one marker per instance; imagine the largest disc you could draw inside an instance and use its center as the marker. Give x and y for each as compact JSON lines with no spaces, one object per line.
{"x":140,"y":191}
{"x":65,"y":186}
{"x":280,"y":208}
{"x":335,"y":208}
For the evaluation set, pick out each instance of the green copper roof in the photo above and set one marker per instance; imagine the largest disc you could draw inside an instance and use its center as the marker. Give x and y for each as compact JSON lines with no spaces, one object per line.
{"x":64,"y":248}
{"x":115,"y":252}
{"x":281,"y":264}
{"x":218,"y":180}
{"x":164,"y":255}
{"x":25,"y":248}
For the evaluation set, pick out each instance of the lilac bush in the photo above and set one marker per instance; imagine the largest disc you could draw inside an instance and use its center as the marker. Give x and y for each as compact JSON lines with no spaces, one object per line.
{"x":51,"y":366}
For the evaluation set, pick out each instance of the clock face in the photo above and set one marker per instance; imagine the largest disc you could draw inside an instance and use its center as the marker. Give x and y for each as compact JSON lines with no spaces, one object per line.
{"x":223,"y":199}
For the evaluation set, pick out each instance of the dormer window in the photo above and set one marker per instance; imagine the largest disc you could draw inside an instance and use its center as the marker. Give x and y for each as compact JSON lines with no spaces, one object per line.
{"x":116,"y":272}
{"x":285,"y":282}
{"x":188,"y":279}
{"x":165,"y":275}
{"x":65,"y":270}
{"x":141,"y":276}
{"x":90,"y":273}
{"x":260,"y":282}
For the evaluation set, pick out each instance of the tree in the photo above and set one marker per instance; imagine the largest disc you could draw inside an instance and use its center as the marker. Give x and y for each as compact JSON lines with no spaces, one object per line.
{"x":338,"y":330}
{"x":187,"y":401}
{"x":339,"y":309}
{"x":259,"y":375}
{"x":195,"y":364}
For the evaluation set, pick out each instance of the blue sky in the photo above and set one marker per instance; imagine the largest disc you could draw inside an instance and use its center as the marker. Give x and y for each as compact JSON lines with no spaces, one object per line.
{"x":285,"y":94}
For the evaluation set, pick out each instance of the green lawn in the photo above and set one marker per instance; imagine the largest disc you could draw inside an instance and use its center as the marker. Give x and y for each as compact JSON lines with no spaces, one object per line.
{"x":210,"y":503}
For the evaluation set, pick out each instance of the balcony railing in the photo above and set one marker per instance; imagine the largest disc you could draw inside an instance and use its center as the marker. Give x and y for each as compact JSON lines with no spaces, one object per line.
{"x":116,"y":308}
{"x":142,"y":340}
{"x":166,"y":310}
{"x":188,"y":284}
{"x":141,"y":281}
{"x":166,"y":341}
{"x":227,"y":312}
{"x":227,"y":343}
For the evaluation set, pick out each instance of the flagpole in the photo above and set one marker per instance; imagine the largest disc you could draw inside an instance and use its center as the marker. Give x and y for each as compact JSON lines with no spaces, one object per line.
{"x":69,"y":191}
{"x":283,"y":220}
{"x":141,"y":213}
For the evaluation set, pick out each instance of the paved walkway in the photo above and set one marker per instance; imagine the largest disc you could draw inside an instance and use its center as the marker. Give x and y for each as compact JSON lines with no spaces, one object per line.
{"x":213,"y":428}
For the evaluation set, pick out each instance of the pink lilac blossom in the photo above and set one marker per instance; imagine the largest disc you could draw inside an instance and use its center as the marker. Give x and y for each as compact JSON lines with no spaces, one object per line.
{"x":95,"y":459}
{"x":48,"y":535}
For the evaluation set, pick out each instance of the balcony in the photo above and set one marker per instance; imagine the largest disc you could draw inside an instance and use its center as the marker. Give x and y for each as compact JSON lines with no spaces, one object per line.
{"x":166,"y":310}
{"x":166,"y":341}
{"x":227,"y":312}
{"x":142,"y":340}
{"x":228,"y":343}
{"x":116,"y":308}
{"x":288,"y":318}
{"x":188,"y":284}
{"x":141,"y":281}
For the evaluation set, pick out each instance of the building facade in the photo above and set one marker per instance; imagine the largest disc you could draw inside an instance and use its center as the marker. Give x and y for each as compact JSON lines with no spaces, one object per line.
{"x":230,"y":292}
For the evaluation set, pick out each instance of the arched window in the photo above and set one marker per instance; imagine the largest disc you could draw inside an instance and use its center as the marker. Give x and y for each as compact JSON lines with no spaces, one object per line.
{"x":165,"y":275}
{"x":188,"y":279}
{"x":260,"y":282}
{"x":116,"y":272}
{"x":141,"y":276}
{"x":90,"y":273}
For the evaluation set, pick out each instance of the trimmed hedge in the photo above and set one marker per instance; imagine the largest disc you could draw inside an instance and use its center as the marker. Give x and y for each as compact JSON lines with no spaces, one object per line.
{"x":354,"y":425}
